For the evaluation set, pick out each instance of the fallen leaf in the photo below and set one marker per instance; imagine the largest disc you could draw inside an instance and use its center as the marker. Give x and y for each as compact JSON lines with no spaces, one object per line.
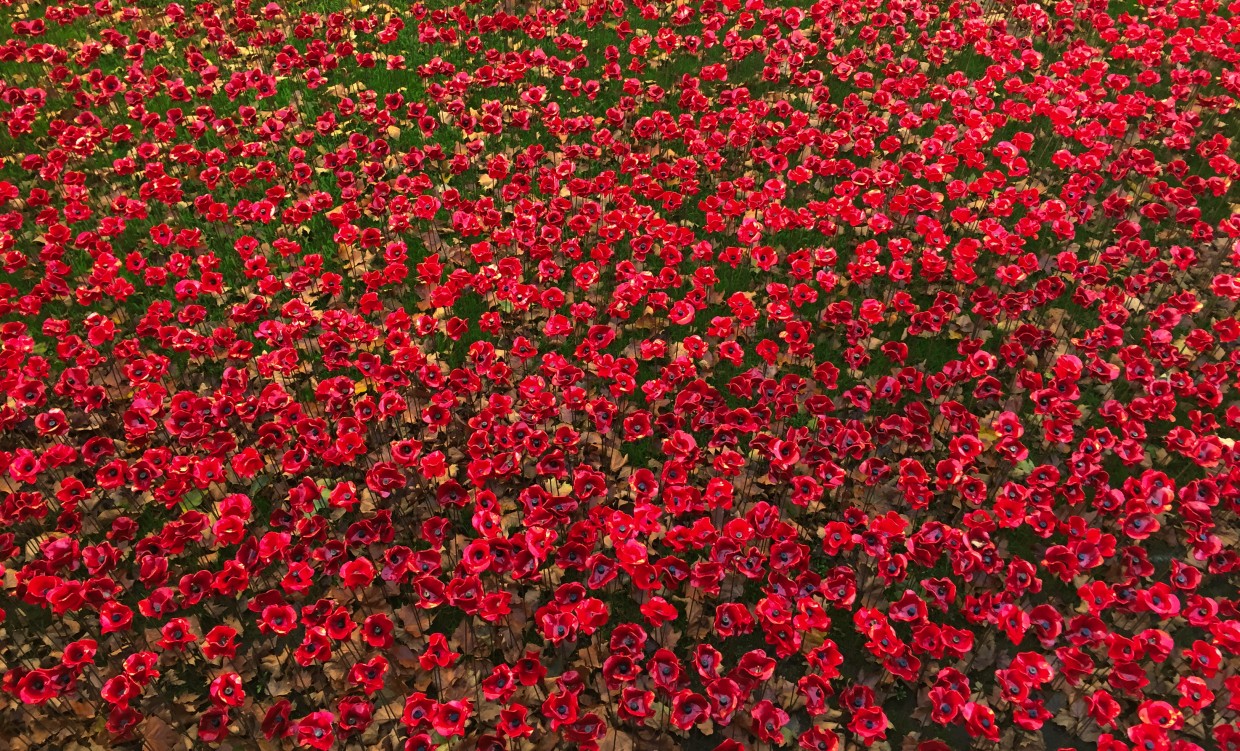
{"x":158,"y":735}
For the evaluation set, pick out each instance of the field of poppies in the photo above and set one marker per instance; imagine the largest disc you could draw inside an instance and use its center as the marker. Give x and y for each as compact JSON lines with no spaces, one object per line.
{"x":727,"y":375}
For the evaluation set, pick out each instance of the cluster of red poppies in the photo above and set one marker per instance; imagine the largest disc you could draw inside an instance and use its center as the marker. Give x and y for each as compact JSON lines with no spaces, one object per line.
{"x":620,"y":375}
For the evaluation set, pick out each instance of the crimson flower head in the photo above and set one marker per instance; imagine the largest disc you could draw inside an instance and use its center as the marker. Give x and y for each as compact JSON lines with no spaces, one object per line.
{"x":356,"y":714}
{"x":437,"y":654}
{"x":280,"y":619}
{"x":369,"y":675}
{"x":227,"y":690}
{"x":530,"y":669}
{"x":449,"y":719}
{"x":316,"y":730}
{"x":560,"y":708}
{"x":213,"y":724}
{"x":980,"y":721}
{"x":1195,"y":694}
{"x":665,"y":669}
{"x":357,"y":573}
{"x":37,"y":687}
{"x":418,"y":710}
{"x":79,"y":652}
{"x":114,"y":616}
{"x":276,"y":722}
{"x":870,"y":725}
{"x":512,"y":722}
{"x":377,"y":631}
{"x":636,"y":704}
{"x":769,"y":721}
{"x":220,"y":643}
{"x":176,"y":634}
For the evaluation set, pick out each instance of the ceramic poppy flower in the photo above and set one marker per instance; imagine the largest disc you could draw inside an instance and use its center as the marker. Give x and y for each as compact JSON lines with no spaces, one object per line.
{"x":79,"y":652}
{"x":636,"y":704}
{"x":213,"y":725}
{"x":227,"y":690}
{"x":449,"y":719}
{"x":316,"y":730}
{"x":980,"y":721}
{"x":869,"y":724}
{"x":512,"y":722}
{"x":356,"y":714}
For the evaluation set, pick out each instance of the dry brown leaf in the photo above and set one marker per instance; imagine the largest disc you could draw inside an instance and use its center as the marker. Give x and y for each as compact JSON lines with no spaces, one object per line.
{"x":158,"y":735}
{"x":618,"y":740}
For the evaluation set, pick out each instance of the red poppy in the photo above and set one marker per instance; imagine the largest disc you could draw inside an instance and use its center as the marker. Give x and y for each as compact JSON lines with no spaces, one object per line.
{"x":980,"y":721}
{"x":449,"y":719}
{"x":869,"y":724}
{"x":227,"y":690}
{"x":213,"y":725}
{"x":316,"y":730}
